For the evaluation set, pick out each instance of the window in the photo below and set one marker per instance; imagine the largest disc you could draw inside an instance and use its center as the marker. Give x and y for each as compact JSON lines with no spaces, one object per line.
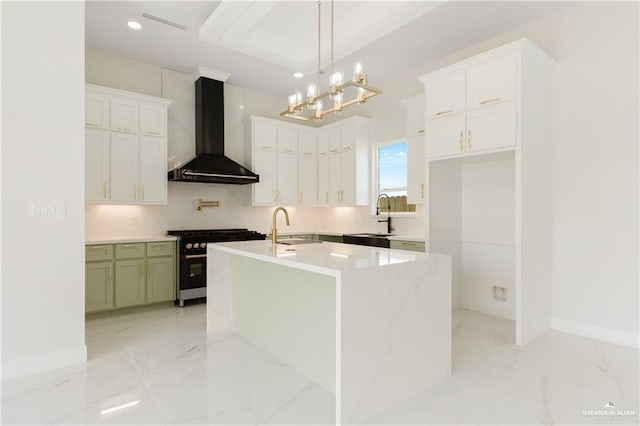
{"x":391,"y":176}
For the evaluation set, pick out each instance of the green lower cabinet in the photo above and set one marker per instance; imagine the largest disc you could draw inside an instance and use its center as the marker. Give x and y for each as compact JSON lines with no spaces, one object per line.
{"x":408,"y":245}
{"x":330,"y":238}
{"x":130,"y":283}
{"x":99,"y":289}
{"x":160,"y":279}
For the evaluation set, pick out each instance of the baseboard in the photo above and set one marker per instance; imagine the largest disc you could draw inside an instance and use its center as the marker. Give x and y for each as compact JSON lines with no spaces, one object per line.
{"x":595,"y":332}
{"x":43,"y":362}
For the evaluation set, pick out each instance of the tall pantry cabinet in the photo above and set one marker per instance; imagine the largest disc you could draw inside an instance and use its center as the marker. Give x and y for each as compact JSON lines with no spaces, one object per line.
{"x":488,"y":155}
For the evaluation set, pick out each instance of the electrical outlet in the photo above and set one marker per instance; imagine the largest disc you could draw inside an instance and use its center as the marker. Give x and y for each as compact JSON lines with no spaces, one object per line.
{"x":499,"y":293}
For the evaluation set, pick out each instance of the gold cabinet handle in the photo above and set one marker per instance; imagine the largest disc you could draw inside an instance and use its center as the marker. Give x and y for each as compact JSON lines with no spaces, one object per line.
{"x":334,"y":151}
{"x":265,"y":147}
{"x":461,"y":140}
{"x":469,"y":139}
{"x":444,"y":112}
{"x":338,"y":195}
{"x":148,"y":272}
{"x":109,"y":273}
{"x":91,"y":125}
{"x":422,"y":191}
{"x":153,"y":133}
{"x":104,"y":190}
{"x":327,"y":196}
{"x":322,"y":153}
{"x":489,"y":101}
{"x":287,"y":150}
{"x":347,"y":148}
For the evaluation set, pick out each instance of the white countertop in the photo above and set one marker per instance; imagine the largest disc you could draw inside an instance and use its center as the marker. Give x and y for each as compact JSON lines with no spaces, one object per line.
{"x":117,"y":240}
{"x":325,"y":257}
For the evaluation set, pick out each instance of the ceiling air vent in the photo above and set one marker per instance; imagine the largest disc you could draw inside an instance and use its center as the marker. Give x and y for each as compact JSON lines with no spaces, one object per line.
{"x":163,"y":21}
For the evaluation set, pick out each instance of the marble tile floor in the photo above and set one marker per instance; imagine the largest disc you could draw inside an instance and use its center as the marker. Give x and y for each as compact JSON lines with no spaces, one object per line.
{"x":155,"y":367}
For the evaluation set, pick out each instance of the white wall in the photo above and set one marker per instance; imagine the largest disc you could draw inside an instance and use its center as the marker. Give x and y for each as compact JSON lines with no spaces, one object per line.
{"x":42,"y":162}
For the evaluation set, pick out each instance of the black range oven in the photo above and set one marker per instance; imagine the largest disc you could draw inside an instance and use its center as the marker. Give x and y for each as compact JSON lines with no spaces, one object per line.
{"x":192,"y":257}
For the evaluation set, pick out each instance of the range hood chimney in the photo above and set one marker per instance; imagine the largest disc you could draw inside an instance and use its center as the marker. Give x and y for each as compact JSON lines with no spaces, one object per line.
{"x":210,"y":164}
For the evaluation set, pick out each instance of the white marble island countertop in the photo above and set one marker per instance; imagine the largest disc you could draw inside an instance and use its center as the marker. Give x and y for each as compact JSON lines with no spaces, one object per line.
{"x":325,"y":257}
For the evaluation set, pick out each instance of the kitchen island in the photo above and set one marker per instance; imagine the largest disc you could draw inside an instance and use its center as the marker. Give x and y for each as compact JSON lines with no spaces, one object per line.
{"x":370,"y":325}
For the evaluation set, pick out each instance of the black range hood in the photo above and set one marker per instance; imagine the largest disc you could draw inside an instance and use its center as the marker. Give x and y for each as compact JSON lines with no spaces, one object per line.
{"x":210,"y":164}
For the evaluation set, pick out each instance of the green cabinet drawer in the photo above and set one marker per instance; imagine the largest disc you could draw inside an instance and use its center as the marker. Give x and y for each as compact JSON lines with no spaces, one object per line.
{"x":161,"y":248}
{"x":129,"y":250}
{"x":407,"y":245}
{"x":96,"y":252}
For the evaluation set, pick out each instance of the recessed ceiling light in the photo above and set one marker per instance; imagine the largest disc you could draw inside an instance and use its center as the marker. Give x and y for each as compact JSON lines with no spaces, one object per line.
{"x":135,"y":25}
{"x":298,"y":74}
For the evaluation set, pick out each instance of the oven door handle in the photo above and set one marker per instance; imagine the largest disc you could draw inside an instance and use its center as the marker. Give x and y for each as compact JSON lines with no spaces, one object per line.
{"x":195,"y":256}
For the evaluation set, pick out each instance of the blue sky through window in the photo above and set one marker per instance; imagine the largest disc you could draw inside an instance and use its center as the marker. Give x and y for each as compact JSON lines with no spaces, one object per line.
{"x":392,"y":166}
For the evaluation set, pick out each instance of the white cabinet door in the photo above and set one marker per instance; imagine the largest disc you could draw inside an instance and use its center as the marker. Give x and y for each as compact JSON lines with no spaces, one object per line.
{"x":153,"y":172}
{"x":335,"y":179}
{"x":124,"y":115}
{"x":414,"y":107}
{"x":125,"y":168}
{"x":265,"y":136}
{"x":287,"y":140}
{"x":308,"y":168}
{"x":96,"y":165}
{"x":335,"y":140}
{"x":445,"y":95}
{"x":323,"y":168}
{"x":492,"y":127}
{"x":348,"y":169}
{"x":96,"y":111}
{"x":445,"y":136}
{"x":264,"y":164}
{"x":415,"y":169}
{"x":153,"y":119}
{"x":323,"y":181}
{"x":287,"y":179}
{"x":491,"y":82}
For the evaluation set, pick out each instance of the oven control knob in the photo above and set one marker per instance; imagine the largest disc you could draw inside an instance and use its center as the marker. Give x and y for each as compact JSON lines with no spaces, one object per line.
{"x":188,"y":245}
{"x":196,"y":245}
{"x":203,"y":245}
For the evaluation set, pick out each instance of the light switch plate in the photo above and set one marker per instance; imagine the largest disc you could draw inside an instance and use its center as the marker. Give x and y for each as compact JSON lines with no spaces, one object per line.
{"x":57,"y":210}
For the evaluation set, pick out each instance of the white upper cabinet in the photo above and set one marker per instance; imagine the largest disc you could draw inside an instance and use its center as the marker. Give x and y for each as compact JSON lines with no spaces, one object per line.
{"x":124,"y":115}
{"x":126,"y":163}
{"x":302,"y":165}
{"x":414,"y":107}
{"x":445,"y":95}
{"x":416,"y":169}
{"x":307,"y":168}
{"x":491,"y":82}
{"x":97,"y":157}
{"x":471,"y":106}
{"x":274,"y":147}
{"x":125,"y":167}
{"x":153,"y":120}
{"x":153,"y":170}
{"x":323,"y":168}
{"x":96,"y":114}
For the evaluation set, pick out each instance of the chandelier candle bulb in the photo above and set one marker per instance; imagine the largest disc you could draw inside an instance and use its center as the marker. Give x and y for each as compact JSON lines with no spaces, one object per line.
{"x":357,"y":72}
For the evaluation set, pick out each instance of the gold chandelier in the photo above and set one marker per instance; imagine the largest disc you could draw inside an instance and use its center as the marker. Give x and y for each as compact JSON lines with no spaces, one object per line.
{"x":312,"y":107}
